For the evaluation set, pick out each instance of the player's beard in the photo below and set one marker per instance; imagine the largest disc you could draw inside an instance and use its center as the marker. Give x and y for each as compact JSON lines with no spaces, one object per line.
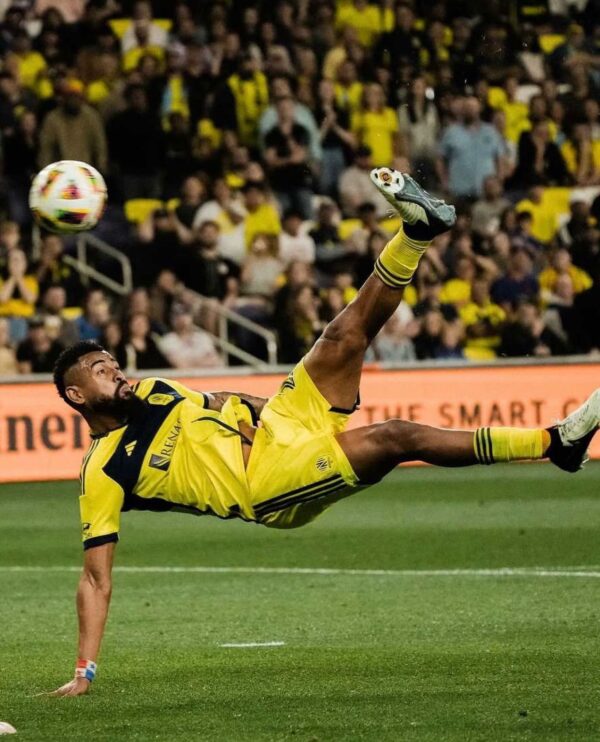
{"x":120,"y":408}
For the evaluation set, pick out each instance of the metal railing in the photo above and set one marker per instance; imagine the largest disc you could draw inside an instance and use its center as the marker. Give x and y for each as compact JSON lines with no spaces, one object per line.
{"x":87,"y":271}
{"x":225,"y":316}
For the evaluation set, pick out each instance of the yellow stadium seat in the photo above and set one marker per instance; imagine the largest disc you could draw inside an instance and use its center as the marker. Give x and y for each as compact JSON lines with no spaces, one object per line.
{"x":479,"y":354}
{"x":549,"y":42}
{"x":347,"y":226}
{"x":120,"y":25}
{"x":138,"y":210}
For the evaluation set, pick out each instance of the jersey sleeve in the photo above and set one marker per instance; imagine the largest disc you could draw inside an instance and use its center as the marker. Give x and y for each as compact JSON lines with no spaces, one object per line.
{"x":146,"y":386}
{"x":100,"y":506}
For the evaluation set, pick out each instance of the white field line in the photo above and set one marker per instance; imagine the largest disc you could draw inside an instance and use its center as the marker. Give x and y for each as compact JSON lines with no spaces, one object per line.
{"x":251,"y":645}
{"x":593,"y":572}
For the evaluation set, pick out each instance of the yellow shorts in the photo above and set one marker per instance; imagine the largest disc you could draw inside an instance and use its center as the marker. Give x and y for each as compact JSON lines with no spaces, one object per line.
{"x":297,"y":469}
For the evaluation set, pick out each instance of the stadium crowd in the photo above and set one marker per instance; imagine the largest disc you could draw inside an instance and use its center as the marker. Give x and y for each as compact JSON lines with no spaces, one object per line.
{"x":237,"y":140}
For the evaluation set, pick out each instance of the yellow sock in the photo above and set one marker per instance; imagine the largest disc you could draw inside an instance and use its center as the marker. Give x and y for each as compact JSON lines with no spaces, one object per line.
{"x":399,"y":260}
{"x":493,"y":445}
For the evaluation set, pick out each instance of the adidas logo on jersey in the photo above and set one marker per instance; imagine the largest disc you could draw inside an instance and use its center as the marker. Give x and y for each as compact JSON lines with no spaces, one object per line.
{"x":129,"y":447}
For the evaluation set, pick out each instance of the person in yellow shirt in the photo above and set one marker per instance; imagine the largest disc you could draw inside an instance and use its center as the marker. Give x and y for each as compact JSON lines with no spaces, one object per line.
{"x":516,"y":112}
{"x":261,"y":216}
{"x":348,"y":88}
{"x":19,"y":291}
{"x":561,"y":263}
{"x":376,"y":125}
{"x":457,"y":290}
{"x":482,"y":320}
{"x":27,"y":63}
{"x":582,"y":156}
{"x":367,"y":19}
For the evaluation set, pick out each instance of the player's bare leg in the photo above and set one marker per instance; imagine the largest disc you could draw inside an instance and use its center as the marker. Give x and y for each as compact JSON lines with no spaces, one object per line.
{"x":335,"y":362}
{"x":375,"y":450}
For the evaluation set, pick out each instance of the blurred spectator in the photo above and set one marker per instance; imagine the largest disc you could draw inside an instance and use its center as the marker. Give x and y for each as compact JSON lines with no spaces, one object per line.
{"x":52,"y":269}
{"x":240,"y":102}
{"x":53,"y":310}
{"x":136,"y":144}
{"x":429,"y":338}
{"x":19,"y":290}
{"x":8,"y":358}
{"x":187,"y":346}
{"x":430,"y":300}
{"x":483,"y":322}
{"x":141,"y":19}
{"x":402,"y":47}
{"x":141,"y":346}
{"x":282,"y":86}
{"x":262,"y":268}
{"x":112,"y":341}
{"x":375,"y":126}
{"x":329,"y":248}
{"x":227,"y":211}
{"x":10,"y":239}
{"x":301,"y":324}
{"x":336,"y":138}
{"x":457,"y":290}
{"x":582,"y":156}
{"x":487,"y":211}
{"x":38,"y":353}
{"x":20,"y":148}
{"x":96,"y":313}
{"x":294,"y":243}
{"x":356,"y":188}
{"x":519,"y":283}
{"x":470,"y":151}
{"x":561,"y":264}
{"x":540,"y":161}
{"x":261,"y":217}
{"x":393,"y":343}
{"x":73,"y":130}
{"x":287,"y":156}
{"x":527,"y":335}
{"x":450,"y":343}
{"x":358,"y":239}
{"x":419,"y":130}
{"x":205,"y":270}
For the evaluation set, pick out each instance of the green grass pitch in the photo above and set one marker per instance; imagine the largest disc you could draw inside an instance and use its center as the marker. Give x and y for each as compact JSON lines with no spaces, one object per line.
{"x":413,"y":652}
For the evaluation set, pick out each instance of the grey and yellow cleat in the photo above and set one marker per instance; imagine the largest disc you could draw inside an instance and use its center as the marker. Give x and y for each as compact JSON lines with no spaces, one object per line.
{"x":429,"y":216}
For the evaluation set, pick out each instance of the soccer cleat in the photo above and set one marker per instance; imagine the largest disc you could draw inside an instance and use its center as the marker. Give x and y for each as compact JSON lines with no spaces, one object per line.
{"x":430,"y":216}
{"x":571,"y":437}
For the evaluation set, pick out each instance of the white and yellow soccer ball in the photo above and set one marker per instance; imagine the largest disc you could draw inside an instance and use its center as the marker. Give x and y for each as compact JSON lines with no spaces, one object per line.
{"x":67,"y":196}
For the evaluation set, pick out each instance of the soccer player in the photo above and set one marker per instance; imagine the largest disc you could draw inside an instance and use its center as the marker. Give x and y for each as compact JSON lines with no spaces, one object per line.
{"x":279,"y":462}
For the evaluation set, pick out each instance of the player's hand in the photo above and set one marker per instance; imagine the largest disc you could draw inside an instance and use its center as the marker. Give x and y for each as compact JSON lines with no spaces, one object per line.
{"x":75,"y":687}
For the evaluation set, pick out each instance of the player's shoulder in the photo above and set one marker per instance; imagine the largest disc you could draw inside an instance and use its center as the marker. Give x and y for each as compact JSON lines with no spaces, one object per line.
{"x":158,"y":390}
{"x":155,"y":385}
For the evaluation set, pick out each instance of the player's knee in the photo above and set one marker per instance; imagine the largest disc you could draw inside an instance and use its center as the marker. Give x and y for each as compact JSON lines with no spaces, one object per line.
{"x":399,"y":437}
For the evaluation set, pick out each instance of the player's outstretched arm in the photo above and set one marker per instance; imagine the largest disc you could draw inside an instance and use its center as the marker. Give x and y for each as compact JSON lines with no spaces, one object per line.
{"x":93,"y":599}
{"x":216,"y":400}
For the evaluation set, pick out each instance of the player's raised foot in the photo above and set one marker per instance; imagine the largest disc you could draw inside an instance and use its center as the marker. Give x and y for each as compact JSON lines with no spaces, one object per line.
{"x":426,"y":215}
{"x":571,"y":437}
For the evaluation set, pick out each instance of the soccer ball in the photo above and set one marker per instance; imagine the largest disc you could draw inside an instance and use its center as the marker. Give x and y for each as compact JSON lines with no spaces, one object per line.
{"x":67,"y":196}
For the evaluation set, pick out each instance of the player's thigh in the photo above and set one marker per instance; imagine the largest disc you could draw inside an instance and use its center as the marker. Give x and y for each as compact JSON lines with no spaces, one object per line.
{"x":335,"y":363}
{"x":286,"y":471}
{"x":299,"y":402}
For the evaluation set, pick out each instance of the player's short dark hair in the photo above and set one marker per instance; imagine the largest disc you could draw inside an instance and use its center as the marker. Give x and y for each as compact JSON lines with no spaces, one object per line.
{"x":66,"y":360}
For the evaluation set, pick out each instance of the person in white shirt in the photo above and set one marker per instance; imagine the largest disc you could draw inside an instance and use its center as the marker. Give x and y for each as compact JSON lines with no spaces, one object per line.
{"x":187,"y":346}
{"x":294,"y":243}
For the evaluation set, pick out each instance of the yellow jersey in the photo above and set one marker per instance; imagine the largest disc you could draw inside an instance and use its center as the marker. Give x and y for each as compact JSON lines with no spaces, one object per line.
{"x":174,"y":455}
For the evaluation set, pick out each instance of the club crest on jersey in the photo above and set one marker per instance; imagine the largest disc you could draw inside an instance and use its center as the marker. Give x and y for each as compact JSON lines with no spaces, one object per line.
{"x":160,"y":399}
{"x":324,"y":463}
